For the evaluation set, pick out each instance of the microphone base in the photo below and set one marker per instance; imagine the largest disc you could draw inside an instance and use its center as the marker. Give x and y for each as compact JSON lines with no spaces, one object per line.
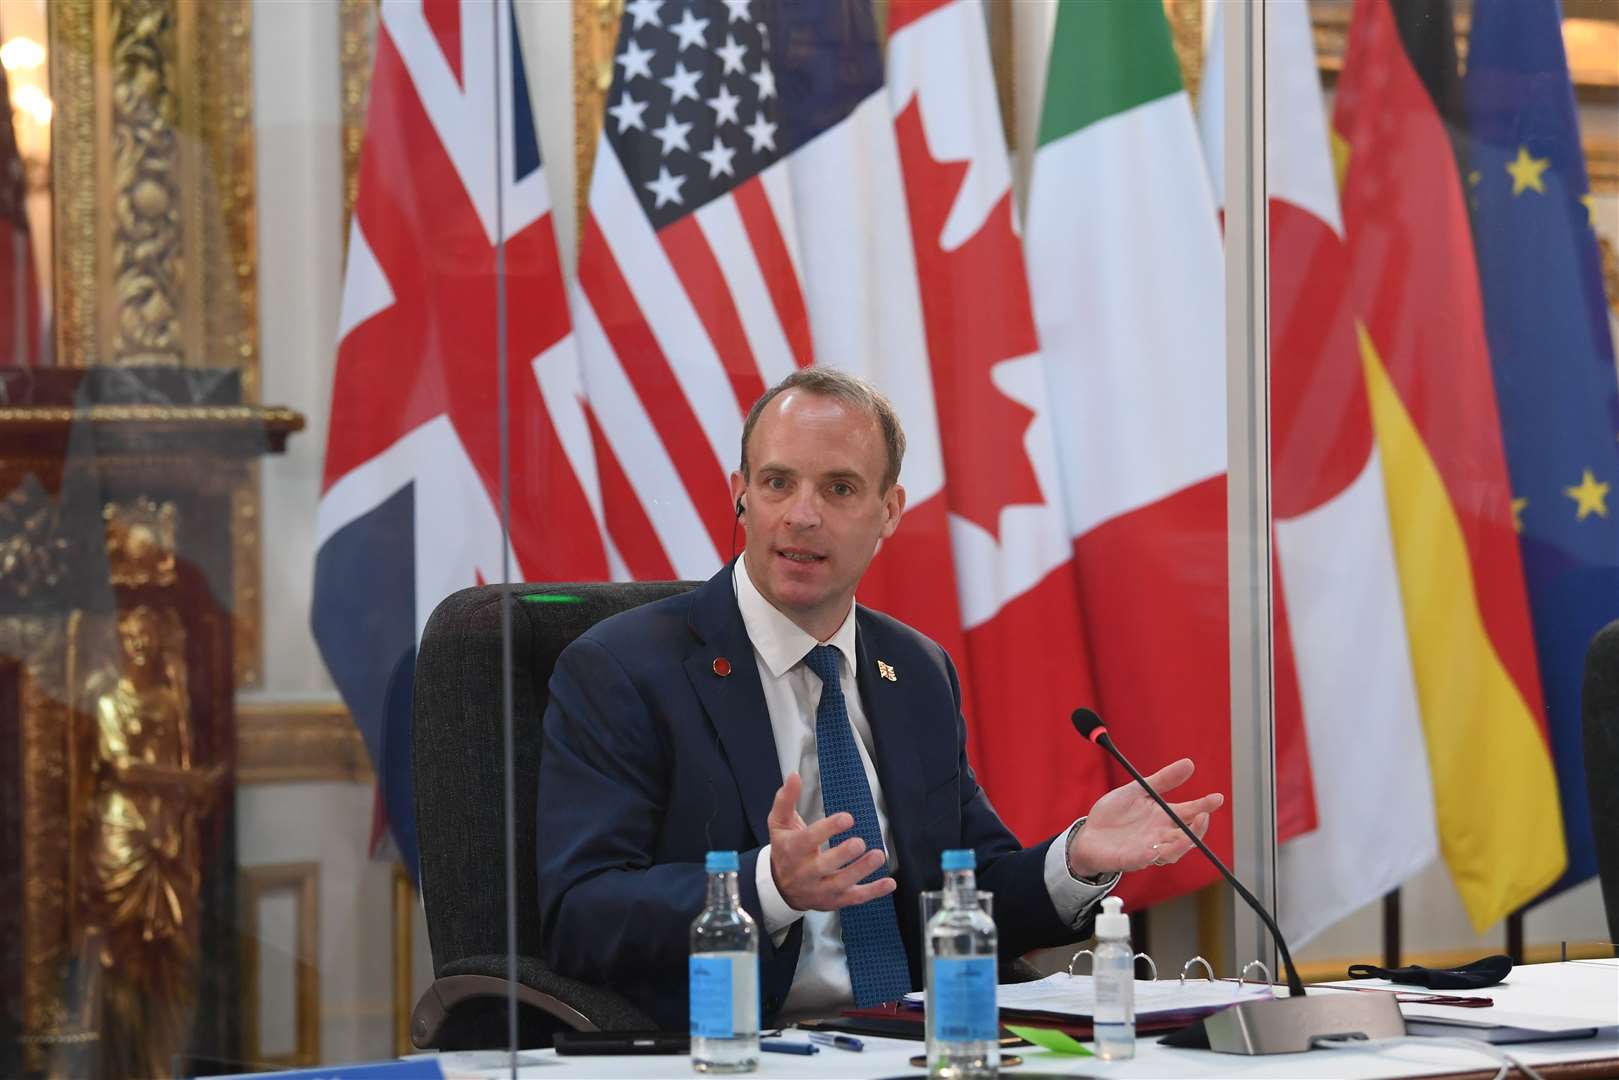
{"x":1290,"y":1025}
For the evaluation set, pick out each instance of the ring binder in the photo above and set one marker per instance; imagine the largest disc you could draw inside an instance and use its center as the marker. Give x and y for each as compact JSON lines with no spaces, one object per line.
{"x":1152,"y":966}
{"x":1208,"y":969}
{"x":1070,"y":995}
{"x":1249,"y":966}
{"x":1197,"y":960}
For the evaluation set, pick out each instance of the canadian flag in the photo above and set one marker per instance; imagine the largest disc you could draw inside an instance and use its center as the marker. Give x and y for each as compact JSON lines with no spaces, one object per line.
{"x":1026,"y":662}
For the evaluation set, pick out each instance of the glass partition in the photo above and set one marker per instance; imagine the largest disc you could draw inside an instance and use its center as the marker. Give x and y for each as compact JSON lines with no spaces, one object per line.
{"x":313,"y":339}
{"x":248,"y":444}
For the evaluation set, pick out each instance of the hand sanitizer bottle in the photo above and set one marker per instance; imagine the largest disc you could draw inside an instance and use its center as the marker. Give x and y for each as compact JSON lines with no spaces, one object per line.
{"x":724,"y":972}
{"x":1115,"y":981}
{"x":963,"y":1026}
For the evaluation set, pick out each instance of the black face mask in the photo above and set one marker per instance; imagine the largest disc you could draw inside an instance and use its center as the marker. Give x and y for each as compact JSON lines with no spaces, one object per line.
{"x":1480,"y":973}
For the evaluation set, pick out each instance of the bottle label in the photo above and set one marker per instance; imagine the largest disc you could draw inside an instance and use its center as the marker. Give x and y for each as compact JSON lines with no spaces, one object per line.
{"x":711,"y":997}
{"x":724,"y":995}
{"x":964,"y":998}
{"x":1115,"y":996}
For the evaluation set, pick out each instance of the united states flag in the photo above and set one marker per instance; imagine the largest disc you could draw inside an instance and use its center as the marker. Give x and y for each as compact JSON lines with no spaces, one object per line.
{"x":451,"y":185}
{"x":747,"y":217}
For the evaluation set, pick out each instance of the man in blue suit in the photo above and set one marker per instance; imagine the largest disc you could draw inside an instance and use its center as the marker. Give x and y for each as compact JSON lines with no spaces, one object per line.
{"x":768,"y":713}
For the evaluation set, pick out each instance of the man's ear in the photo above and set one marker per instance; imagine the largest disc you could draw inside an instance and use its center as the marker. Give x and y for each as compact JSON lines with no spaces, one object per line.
{"x":739,"y":487}
{"x":893,"y":509}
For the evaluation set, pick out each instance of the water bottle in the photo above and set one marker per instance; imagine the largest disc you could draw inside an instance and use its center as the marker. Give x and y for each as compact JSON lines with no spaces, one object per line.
{"x":1114,"y":974}
{"x":963,"y":1027}
{"x":724,"y":972}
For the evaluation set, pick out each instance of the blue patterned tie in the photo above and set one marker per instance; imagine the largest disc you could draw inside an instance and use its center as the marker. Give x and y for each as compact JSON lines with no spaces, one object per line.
{"x":871,"y":941}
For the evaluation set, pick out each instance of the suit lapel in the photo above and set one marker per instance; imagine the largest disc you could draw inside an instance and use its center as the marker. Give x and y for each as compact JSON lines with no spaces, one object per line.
{"x":896,"y":732}
{"x":735,"y":701}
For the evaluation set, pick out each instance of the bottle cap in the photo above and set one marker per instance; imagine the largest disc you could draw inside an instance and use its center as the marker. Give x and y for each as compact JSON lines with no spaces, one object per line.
{"x":722,"y":862}
{"x":960,"y":859}
{"x":1113,"y":923}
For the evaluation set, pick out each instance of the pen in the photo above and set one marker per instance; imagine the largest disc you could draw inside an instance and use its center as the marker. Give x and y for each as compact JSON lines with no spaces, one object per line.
{"x":782,"y":1046}
{"x":842,"y":1042}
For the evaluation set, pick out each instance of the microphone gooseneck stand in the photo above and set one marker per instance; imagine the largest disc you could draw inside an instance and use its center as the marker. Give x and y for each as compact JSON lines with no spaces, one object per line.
{"x":1280,"y":1025}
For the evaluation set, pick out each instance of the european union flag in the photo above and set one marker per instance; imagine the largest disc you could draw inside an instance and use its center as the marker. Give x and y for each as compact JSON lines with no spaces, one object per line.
{"x":1553,"y":359}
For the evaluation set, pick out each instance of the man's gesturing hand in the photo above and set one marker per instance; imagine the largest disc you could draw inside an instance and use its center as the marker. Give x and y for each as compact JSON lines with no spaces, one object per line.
{"x":1126,"y":830}
{"x":809,"y":878}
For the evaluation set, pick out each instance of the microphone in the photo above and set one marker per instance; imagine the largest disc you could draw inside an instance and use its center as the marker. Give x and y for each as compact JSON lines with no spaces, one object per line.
{"x":1281,"y":1025}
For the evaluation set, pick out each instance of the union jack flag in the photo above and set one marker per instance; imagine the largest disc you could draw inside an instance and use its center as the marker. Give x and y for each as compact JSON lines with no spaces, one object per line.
{"x":451,"y":187}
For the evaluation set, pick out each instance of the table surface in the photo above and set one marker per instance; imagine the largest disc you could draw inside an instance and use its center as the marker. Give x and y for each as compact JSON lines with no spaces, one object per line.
{"x":1586,"y":989}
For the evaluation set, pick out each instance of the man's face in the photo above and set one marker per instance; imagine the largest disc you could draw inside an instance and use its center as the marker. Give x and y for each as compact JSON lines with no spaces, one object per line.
{"x":815,"y":508}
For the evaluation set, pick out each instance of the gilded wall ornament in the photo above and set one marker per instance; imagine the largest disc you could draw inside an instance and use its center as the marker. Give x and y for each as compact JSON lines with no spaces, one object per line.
{"x":38,"y":644}
{"x":155,"y":211}
{"x":140,"y":538}
{"x":146,"y":247}
{"x":140,"y":855}
{"x":34,"y":550}
{"x":357,"y":42}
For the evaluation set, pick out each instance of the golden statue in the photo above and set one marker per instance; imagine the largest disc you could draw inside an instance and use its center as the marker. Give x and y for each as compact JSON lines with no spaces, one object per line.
{"x":144,"y":876}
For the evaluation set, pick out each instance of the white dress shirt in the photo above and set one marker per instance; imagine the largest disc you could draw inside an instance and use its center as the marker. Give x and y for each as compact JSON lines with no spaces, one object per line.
{"x":792,"y":695}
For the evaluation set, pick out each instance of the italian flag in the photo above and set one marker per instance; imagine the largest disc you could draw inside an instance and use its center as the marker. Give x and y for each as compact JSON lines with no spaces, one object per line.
{"x":1126,"y":275}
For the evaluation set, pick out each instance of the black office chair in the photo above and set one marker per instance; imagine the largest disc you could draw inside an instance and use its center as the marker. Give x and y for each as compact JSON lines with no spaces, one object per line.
{"x":1599,"y":706}
{"x":458,"y":761}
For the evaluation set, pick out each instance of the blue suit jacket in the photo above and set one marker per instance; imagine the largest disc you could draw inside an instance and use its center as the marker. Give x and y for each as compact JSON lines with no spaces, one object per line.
{"x":651,"y":759}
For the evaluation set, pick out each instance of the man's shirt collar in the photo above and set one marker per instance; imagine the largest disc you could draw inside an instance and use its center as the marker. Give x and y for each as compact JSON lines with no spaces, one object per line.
{"x":780,"y":642}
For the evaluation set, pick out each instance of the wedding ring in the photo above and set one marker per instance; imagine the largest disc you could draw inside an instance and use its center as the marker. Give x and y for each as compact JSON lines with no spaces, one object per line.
{"x":1156,"y":860}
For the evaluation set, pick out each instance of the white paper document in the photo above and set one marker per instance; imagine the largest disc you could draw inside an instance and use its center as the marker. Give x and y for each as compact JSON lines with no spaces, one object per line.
{"x":1412,"y":1010}
{"x":1075,"y":995}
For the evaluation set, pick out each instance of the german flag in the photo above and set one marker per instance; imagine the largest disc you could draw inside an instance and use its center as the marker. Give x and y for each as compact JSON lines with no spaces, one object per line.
{"x":1427,"y":363}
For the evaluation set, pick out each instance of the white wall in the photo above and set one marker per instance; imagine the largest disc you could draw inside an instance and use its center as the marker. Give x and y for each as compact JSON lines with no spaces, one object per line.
{"x":1032,"y":24}
{"x":298,"y":119}
{"x":546,"y":29}
{"x":328,"y":824}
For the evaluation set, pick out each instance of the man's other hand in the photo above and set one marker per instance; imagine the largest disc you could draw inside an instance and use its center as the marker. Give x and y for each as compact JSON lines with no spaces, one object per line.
{"x":811,"y":879}
{"x":1126,"y":830}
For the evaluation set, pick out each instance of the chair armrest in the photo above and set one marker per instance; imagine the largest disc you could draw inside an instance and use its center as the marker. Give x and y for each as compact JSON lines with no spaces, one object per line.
{"x":574,"y":1004}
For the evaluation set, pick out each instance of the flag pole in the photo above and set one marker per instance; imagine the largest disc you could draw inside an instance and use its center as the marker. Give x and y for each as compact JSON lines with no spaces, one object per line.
{"x":1253,"y":757}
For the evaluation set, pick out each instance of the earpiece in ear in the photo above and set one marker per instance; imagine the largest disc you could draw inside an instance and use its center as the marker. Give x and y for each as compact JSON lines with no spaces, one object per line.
{"x":739,"y":508}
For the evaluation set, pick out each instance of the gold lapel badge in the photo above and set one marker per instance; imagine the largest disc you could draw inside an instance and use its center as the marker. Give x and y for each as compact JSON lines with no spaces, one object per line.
{"x":886,"y":670}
